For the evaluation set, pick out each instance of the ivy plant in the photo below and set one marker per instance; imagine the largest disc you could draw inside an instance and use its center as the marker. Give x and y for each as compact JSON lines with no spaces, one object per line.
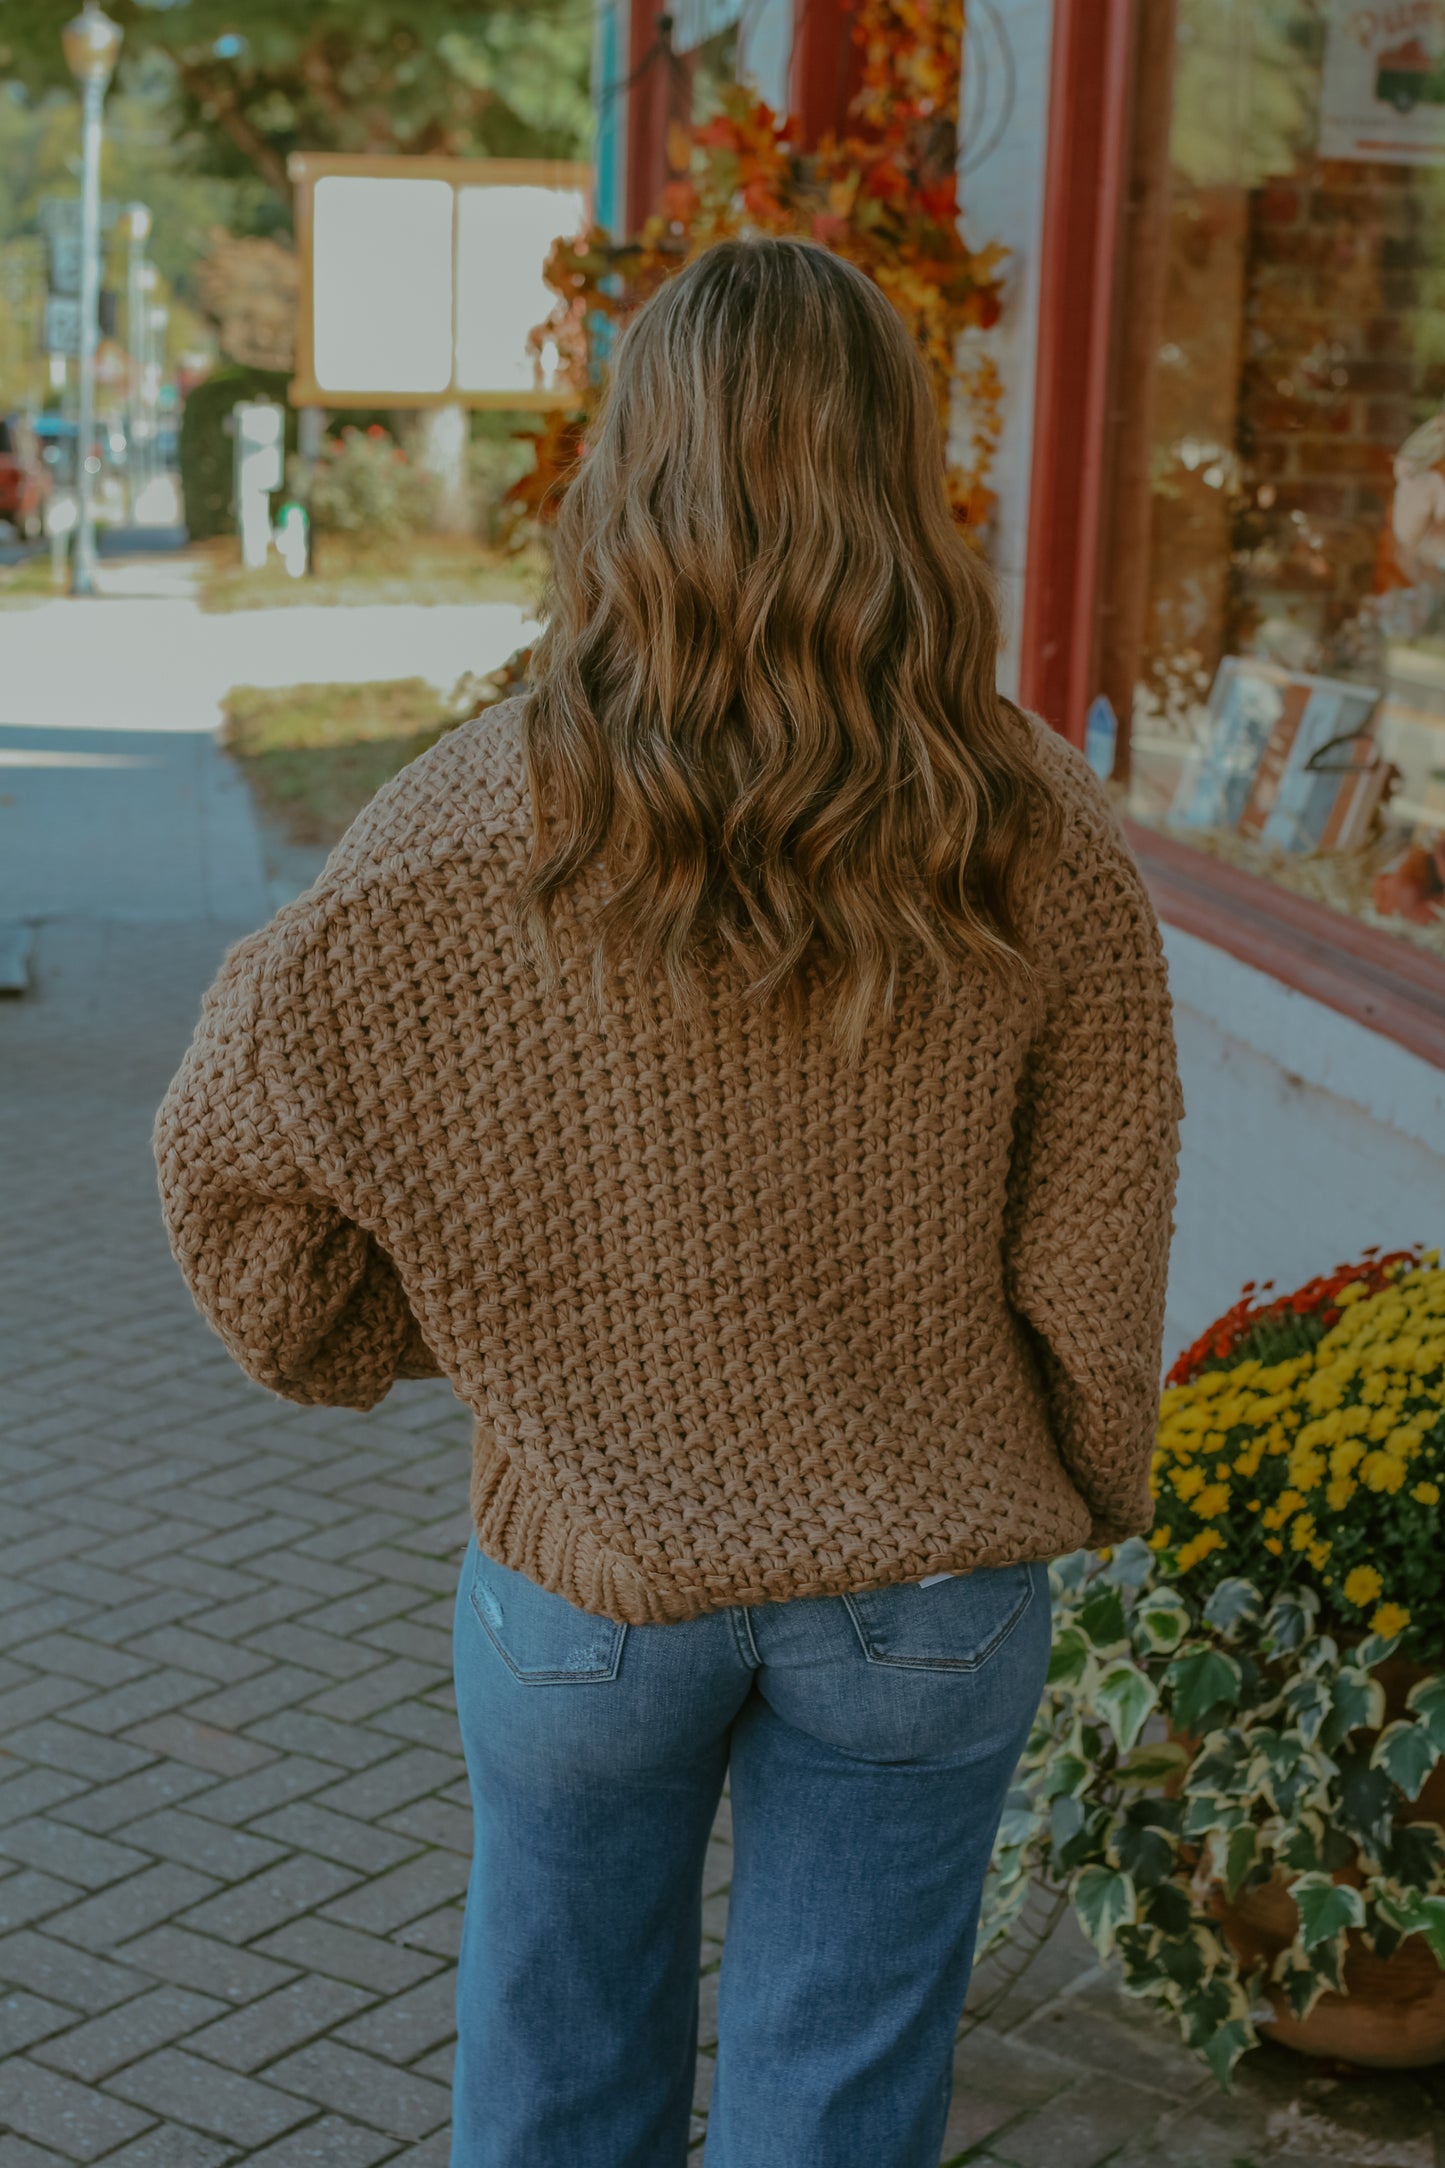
{"x":1188,"y":1749}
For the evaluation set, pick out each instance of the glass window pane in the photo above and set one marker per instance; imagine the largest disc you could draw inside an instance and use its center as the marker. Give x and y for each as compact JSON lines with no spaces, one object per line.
{"x":1290,"y":715}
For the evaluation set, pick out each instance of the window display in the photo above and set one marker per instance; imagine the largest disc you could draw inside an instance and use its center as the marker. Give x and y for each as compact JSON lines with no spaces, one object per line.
{"x":1290,"y":712}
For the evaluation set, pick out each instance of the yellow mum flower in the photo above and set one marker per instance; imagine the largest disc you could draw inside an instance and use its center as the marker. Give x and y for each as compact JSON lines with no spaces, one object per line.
{"x":1389,"y":1620}
{"x":1384,"y":1472}
{"x":1188,"y":1481}
{"x":1158,"y":1538}
{"x":1426,"y":1494}
{"x":1273,"y":1545}
{"x":1362,"y":1585}
{"x":1339,"y":1493}
{"x":1319,"y":1553}
{"x":1212,"y":1502}
{"x":1200,"y":1546}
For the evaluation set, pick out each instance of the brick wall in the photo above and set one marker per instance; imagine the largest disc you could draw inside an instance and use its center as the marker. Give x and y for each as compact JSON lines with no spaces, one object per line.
{"x":1342,"y":275}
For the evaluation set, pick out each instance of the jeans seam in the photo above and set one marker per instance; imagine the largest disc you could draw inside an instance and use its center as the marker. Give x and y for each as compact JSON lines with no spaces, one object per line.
{"x":742,"y":1626}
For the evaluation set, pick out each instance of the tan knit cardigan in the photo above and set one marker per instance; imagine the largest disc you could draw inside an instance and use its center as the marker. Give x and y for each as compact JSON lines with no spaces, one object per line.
{"x":738,"y":1319}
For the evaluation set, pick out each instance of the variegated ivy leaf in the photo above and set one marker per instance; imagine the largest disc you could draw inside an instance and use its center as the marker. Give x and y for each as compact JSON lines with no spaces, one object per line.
{"x":1407,"y":1754}
{"x":1422,"y":1913}
{"x":1104,"y":1900}
{"x":1206,"y":1811}
{"x":1154,"y":1763}
{"x":1326,"y":1909}
{"x":1300,"y":1845}
{"x":1232,"y":1606}
{"x":1414,"y":1856}
{"x":1223,"y":2049}
{"x":1126,"y":1698}
{"x":1364,"y":1801}
{"x":1289,"y":1622}
{"x":1321,"y":1658}
{"x":1143,"y":1843}
{"x":1427,"y":1701}
{"x":1220,"y":1760}
{"x":1375,"y":1648}
{"x":1161,"y":1623}
{"x":1233,"y":1853}
{"x":1131,"y":1564}
{"x":1301,"y":1981}
{"x":1203,"y":1683}
{"x":1217,"y":2002}
{"x":1066,"y":1773}
{"x":1069,"y":1574}
{"x":1357,"y":1703}
{"x":1100,"y":1618}
{"x":1308,"y":1704}
{"x":1070,"y":1657}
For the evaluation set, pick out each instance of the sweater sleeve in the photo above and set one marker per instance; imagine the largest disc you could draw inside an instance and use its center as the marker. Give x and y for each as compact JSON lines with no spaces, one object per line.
{"x":307,"y":1302}
{"x":1093,"y":1176}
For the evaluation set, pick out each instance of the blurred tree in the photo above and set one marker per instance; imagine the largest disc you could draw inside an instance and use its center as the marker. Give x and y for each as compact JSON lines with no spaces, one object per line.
{"x":248,"y":286}
{"x":251,"y":80}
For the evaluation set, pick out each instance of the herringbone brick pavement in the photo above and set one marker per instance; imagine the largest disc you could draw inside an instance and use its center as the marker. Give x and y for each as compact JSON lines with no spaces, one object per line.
{"x":233,"y":1817}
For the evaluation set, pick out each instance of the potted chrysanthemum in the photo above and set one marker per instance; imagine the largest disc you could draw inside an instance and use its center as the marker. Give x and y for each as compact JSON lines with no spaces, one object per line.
{"x":1238,"y":1770}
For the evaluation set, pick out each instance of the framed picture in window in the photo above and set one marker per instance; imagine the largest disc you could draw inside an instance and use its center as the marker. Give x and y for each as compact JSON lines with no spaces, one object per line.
{"x":1288,"y":759}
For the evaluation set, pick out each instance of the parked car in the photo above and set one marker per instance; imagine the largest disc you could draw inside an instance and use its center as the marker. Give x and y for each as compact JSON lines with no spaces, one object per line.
{"x":25,"y":478}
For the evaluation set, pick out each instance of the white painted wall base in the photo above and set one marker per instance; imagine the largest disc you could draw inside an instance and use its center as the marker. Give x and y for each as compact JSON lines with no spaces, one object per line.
{"x":1306,"y":1138}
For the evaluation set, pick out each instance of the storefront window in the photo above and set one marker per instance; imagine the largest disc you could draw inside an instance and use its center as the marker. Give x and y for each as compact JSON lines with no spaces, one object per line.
{"x":1290,"y":713}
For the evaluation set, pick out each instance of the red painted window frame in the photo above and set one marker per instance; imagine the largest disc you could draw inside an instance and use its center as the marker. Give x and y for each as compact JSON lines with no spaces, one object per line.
{"x":1377,"y":978}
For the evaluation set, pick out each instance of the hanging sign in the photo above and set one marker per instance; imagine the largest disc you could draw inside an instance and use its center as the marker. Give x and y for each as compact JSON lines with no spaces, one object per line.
{"x":1384,"y":82}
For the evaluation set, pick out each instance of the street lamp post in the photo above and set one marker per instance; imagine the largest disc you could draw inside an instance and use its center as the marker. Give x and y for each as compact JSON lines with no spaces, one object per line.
{"x":92,"y":45}
{"x":137,"y":230}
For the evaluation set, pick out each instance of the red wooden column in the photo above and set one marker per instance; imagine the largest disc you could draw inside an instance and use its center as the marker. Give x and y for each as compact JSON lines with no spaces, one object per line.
{"x":659,"y":93}
{"x":1084,"y":183}
{"x":824,"y":77}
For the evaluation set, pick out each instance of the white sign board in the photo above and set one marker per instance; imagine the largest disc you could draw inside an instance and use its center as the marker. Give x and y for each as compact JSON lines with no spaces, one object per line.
{"x":422,"y":279}
{"x":382,"y":285}
{"x":1384,"y":84}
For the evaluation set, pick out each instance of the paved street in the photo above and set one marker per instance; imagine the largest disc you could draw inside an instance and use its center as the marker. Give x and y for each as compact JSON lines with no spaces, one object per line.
{"x":233,"y":1817}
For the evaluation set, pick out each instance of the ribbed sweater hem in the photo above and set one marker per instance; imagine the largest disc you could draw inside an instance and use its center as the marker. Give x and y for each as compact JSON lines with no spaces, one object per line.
{"x":519,"y":1526}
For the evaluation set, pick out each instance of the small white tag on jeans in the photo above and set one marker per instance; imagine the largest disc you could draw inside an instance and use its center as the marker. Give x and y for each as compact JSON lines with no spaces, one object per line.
{"x":929,"y":1579}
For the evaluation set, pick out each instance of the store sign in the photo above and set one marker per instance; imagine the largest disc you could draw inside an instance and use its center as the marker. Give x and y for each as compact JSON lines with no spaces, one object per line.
{"x":1384,"y":83}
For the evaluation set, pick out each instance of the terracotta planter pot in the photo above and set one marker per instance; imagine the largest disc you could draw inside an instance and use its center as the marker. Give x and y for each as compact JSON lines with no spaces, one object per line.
{"x":1392,"y":2013}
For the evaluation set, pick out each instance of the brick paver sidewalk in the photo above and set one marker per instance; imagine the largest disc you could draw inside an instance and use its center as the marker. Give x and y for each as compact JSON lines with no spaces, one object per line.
{"x":233,"y":1818}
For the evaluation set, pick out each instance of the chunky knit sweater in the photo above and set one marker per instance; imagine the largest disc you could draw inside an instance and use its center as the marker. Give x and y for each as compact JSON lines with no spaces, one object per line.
{"x":739,"y":1317}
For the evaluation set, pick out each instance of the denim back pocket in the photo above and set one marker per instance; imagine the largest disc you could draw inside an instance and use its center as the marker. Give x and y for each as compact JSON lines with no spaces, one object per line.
{"x":954,"y":1626}
{"x":542,"y":1639}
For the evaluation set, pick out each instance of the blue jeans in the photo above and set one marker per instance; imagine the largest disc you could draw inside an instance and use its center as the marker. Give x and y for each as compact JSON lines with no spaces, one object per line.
{"x":870,"y":1741}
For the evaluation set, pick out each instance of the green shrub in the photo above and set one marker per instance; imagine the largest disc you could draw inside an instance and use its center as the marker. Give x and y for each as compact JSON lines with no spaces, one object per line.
{"x":364,"y":484}
{"x":207,"y":452}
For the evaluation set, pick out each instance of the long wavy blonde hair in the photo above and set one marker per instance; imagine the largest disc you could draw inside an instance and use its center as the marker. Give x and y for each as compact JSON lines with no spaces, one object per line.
{"x":765,"y":697}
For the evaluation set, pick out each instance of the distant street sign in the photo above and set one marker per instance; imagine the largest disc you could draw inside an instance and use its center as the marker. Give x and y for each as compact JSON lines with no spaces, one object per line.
{"x":66,"y":256}
{"x":61,"y":331}
{"x":60,"y":224}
